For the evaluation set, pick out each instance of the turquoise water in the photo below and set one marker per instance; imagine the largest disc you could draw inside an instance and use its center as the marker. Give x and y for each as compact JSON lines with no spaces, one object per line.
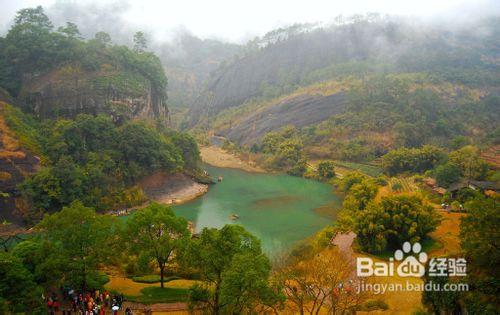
{"x":278,"y":209}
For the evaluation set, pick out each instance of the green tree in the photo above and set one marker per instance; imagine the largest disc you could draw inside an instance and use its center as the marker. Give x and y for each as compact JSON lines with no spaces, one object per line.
{"x":92,"y":159}
{"x":408,"y":134}
{"x":393,"y":221}
{"x":286,"y":151}
{"x":480,"y":241}
{"x":189,"y":149}
{"x":440,"y":302}
{"x":415,"y":160}
{"x":18,"y":290}
{"x":56,"y":186}
{"x":246,"y":287}
{"x":459,"y":142}
{"x":326,"y":169}
{"x":470,"y":163}
{"x":70,"y":30}
{"x":102,"y":38}
{"x":232,"y":266}
{"x":156,"y":233}
{"x":349,"y":179}
{"x":360,"y":195}
{"x":79,"y":240}
{"x":289,"y":152}
{"x":140,"y":42}
{"x":37,"y":256}
{"x":447,"y":174}
{"x":27,"y":47}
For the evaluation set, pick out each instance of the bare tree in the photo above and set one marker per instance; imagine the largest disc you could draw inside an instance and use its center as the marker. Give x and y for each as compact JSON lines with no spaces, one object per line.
{"x":325,"y":283}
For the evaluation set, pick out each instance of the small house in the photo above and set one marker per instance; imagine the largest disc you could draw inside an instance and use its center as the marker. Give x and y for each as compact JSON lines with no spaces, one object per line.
{"x":474,"y":185}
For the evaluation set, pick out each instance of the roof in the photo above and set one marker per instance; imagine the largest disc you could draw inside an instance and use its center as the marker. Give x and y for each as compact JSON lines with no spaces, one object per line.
{"x":430,"y":181}
{"x":439,"y":190}
{"x":458,"y":185}
{"x":475,"y":184}
{"x":485,"y":184}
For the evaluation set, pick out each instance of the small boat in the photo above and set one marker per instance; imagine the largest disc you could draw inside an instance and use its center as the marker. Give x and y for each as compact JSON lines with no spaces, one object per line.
{"x":234,"y":217}
{"x":219,"y":179}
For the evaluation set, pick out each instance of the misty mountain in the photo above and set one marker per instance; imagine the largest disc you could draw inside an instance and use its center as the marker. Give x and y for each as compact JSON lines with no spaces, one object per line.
{"x":189,"y":61}
{"x":289,"y":58}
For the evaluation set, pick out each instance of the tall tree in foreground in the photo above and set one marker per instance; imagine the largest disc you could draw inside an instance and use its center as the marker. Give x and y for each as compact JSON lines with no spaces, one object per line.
{"x":393,"y":221}
{"x":322,"y":283}
{"x":18,"y":291}
{"x":234,"y":270}
{"x":480,"y":240}
{"x":79,"y":241}
{"x":156,"y":233}
{"x":28,"y":42}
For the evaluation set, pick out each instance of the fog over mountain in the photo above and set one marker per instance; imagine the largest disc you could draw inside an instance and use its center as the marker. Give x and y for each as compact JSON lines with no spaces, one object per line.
{"x":229,"y":20}
{"x":193,"y":38}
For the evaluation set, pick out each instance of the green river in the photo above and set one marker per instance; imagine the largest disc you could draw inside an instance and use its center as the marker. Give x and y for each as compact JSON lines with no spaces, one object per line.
{"x":279,"y":209}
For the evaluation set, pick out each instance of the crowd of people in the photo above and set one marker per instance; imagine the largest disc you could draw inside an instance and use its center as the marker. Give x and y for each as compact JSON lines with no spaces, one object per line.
{"x":84,"y":303}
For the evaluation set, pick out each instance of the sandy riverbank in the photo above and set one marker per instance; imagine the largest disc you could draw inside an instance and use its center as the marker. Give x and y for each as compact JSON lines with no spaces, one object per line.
{"x":172,"y":188}
{"x":218,"y":157}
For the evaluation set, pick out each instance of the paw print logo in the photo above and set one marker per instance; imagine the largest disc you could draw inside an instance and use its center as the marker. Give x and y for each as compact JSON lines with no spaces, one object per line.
{"x":413,"y":264}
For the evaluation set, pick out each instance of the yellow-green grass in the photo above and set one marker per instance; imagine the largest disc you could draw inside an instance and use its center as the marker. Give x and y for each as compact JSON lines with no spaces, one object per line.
{"x":151,"y":295}
{"x":447,"y":234}
{"x":129,"y":287}
{"x":399,"y":302}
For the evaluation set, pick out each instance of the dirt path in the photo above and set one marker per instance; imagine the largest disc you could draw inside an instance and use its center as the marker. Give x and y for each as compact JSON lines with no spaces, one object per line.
{"x":218,"y":157}
{"x":344,"y":242}
{"x":157,"y":309}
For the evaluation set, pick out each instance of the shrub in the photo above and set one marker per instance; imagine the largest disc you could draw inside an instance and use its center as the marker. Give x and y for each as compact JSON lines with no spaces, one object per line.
{"x":455,"y":205}
{"x":397,"y":186}
{"x":326,"y":169}
{"x":373,"y":305}
{"x":415,"y":160}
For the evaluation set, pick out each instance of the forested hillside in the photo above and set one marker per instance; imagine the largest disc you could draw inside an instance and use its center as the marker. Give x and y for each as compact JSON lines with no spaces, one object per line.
{"x":53,"y":72}
{"x":359,"y":87}
{"x":81,"y":120}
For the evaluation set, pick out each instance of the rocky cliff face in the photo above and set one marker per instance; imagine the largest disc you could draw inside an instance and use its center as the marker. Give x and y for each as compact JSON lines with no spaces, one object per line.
{"x":302,"y":110}
{"x":16,"y":163}
{"x":69,"y":90}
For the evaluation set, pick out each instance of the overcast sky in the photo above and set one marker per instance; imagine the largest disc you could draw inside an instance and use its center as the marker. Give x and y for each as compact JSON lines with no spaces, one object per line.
{"x":237,"y":20}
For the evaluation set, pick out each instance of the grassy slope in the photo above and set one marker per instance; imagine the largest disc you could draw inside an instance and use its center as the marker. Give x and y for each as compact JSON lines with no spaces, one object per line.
{"x":22,"y":130}
{"x":148,"y":293}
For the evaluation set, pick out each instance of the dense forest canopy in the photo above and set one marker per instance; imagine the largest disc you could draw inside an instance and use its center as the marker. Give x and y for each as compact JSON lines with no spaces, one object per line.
{"x":97,"y":161}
